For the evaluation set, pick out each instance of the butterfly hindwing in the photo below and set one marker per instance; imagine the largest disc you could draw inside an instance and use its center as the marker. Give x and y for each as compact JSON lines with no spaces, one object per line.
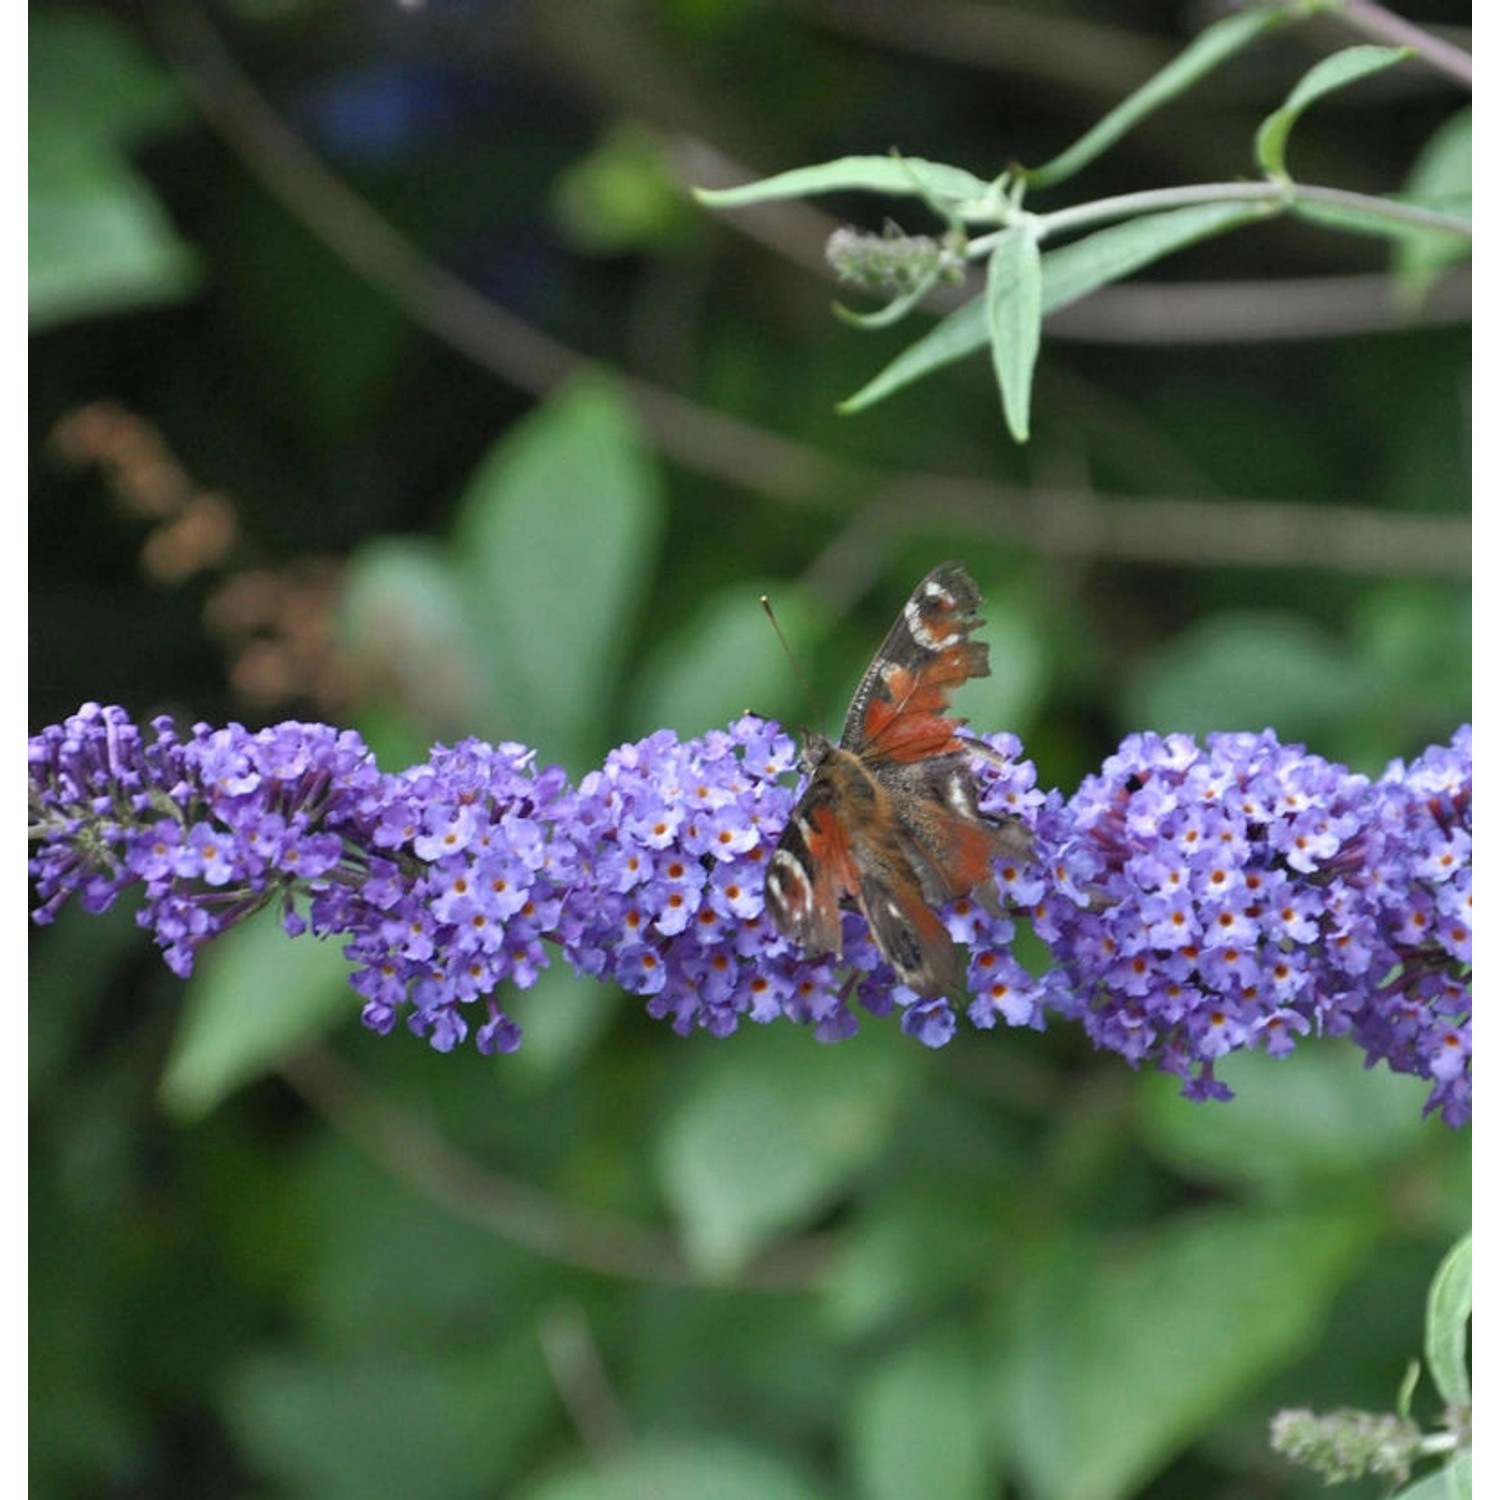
{"x":812,"y":869}
{"x":911,"y":936}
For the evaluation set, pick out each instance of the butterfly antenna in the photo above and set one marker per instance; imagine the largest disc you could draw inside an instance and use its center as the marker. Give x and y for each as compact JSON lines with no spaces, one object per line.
{"x":797,"y":672}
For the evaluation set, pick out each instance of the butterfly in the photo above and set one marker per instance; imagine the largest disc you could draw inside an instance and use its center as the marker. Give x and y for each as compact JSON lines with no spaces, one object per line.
{"x":890,"y":817}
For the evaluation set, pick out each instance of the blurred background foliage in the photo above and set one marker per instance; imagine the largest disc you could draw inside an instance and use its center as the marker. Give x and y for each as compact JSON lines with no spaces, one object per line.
{"x":383,"y":372}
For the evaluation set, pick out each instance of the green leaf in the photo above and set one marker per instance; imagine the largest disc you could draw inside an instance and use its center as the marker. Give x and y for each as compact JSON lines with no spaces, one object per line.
{"x":1453,"y":1481}
{"x":1199,"y":58}
{"x":769,"y":1133}
{"x":1074,"y":270}
{"x":961,"y":333}
{"x":1460,"y":1476}
{"x":910,"y":1248}
{"x":725,"y":660}
{"x":1020,"y":668}
{"x":561,"y":1017}
{"x":683,"y":1468}
{"x":98,"y":240}
{"x":323,"y":1426}
{"x":556,"y":540}
{"x":897,"y":176}
{"x":1068,"y":273}
{"x":1441,"y":178}
{"x":1246,"y":669}
{"x":89,"y":72}
{"x":916,"y":1426}
{"x":1354,"y":218}
{"x":1328,"y":76}
{"x":1305,"y":1124}
{"x":1449,"y":1305}
{"x":621,"y":196}
{"x":1013,"y":310}
{"x":1124,"y":1358}
{"x":257,"y":996}
{"x":403,"y":614}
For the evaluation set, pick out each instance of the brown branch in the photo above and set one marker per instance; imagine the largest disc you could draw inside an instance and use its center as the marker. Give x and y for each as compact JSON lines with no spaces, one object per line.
{"x":1086,"y":57}
{"x":582,"y":1381}
{"x":1258,"y":312}
{"x":1382,"y":25}
{"x":1072,"y":524}
{"x":411,"y":1151}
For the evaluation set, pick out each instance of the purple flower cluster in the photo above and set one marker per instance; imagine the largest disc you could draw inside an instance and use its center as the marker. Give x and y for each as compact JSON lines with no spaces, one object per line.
{"x":469,"y":865}
{"x":1205,"y":899}
{"x":443,"y":880}
{"x":1195,"y":899}
{"x":674,"y":840}
{"x":213,"y":827}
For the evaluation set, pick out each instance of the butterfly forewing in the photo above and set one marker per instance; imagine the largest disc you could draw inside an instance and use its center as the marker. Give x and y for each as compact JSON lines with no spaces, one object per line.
{"x":898,"y":711}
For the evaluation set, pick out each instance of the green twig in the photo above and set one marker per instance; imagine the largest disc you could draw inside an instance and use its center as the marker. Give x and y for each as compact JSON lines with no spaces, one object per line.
{"x":1154,"y":200}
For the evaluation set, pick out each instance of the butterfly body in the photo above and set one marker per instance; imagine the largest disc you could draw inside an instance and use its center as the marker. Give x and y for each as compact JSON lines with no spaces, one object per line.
{"x":890,"y":818}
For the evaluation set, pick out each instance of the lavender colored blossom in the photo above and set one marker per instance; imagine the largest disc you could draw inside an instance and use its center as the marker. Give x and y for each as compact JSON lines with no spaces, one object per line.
{"x":225,"y":822}
{"x":1205,"y":899}
{"x":1196,"y":900}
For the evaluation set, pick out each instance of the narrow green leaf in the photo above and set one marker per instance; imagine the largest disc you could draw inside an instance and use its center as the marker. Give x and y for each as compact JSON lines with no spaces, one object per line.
{"x":1068,"y":273}
{"x":257,"y":995}
{"x":1356,"y":219}
{"x":1200,"y":57}
{"x":764,"y":1140}
{"x":556,"y":540}
{"x":1331,"y":74}
{"x":1449,"y":1305}
{"x":1013,"y":309}
{"x":899,"y":176}
{"x":958,"y":335}
{"x":1072,"y":271}
{"x":1408,"y":1388}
